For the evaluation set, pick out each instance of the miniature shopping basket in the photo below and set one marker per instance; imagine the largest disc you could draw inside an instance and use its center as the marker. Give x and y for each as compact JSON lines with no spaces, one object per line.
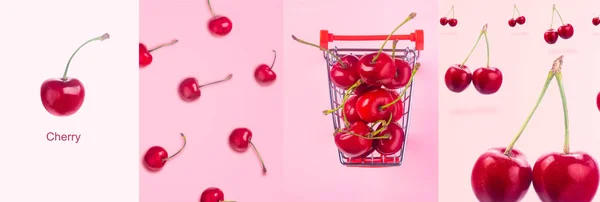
{"x":410,"y":55}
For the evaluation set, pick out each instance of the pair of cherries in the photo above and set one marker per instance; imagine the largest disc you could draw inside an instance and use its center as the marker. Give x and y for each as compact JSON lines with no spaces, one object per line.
{"x":452,"y":22}
{"x":565,"y":31}
{"x":518,"y":20}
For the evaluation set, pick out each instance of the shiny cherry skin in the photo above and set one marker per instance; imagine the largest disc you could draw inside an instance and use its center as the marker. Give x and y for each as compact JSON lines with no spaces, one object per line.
{"x":392,"y":145}
{"x":498,"y":177}
{"x":220,"y":26}
{"x":350,"y":110}
{"x":398,"y":111}
{"x":212,"y":194}
{"x":458,"y":78}
{"x":487,"y":80}
{"x":443,"y":21}
{"x":145,"y":56}
{"x":368,"y":105}
{"x":351,"y":145}
{"x":521,"y":20}
{"x":596,"y":21}
{"x":566,"y":31}
{"x":401,"y":76}
{"x":598,"y":101}
{"x":551,"y":36}
{"x":566,"y":177}
{"x":452,"y":22}
{"x":189,"y":89}
{"x":344,"y":76}
{"x":264,"y":75}
{"x":239,"y":139}
{"x":512,"y":22}
{"x":62,"y":97}
{"x":363,"y":88}
{"x":155,"y":158}
{"x":380,"y":72}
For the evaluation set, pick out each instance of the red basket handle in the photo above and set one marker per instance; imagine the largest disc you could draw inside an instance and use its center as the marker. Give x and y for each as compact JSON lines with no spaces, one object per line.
{"x":416,"y":37}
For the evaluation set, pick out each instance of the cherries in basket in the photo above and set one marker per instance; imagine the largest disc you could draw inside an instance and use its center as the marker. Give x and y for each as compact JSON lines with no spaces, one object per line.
{"x":371,"y":106}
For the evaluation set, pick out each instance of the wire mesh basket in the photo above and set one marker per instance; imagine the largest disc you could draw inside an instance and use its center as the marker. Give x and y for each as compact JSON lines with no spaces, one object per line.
{"x":410,"y":55}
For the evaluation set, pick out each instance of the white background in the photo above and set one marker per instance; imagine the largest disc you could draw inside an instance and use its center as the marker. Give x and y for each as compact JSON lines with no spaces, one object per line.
{"x":36,"y":41}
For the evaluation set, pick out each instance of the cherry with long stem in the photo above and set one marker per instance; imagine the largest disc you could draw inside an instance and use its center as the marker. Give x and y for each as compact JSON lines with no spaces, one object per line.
{"x":556,"y":65}
{"x":410,"y":17}
{"x":227,"y":78}
{"x":450,"y":11}
{"x":481,"y":34}
{"x":100,"y":38}
{"x":180,"y":149}
{"x":558,"y":76}
{"x":416,"y":68}
{"x":174,"y":41}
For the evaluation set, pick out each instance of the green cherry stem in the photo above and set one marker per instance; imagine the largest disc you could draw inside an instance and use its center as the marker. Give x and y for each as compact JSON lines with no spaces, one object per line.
{"x":346,"y":123}
{"x":100,"y":38}
{"x":487,"y":47}
{"x":212,"y":12}
{"x":483,"y":31}
{"x":264,"y":168}
{"x":384,"y":125}
{"x":346,"y":96}
{"x":180,"y":149}
{"x":450,"y":11}
{"x":517,"y":9}
{"x":320,"y":48}
{"x":227,"y":201}
{"x":410,"y":17}
{"x":163,"y":45}
{"x":557,"y":13}
{"x":563,"y":98}
{"x":557,"y":63}
{"x":368,"y":137}
{"x":227,"y":78}
{"x":412,"y":76}
{"x":394,"y":44}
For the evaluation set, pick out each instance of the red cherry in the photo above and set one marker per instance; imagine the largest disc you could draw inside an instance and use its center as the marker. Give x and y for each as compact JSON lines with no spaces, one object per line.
{"x":551,"y":36}
{"x":156,"y":157}
{"x":369,"y":105}
{"x":566,"y":31}
{"x":596,"y":21}
{"x":487,"y":80}
{"x":394,"y":143}
{"x":566,"y":177}
{"x":399,"y":107}
{"x":218,"y":25}
{"x":458,"y":78}
{"x":352,"y":145}
{"x":145,"y":56}
{"x":346,"y":75}
{"x":189,"y":89}
{"x":452,"y":22}
{"x":350,"y":110}
{"x":443,"y":21}
{"x":512,"y":22}
{"x":240,"y":138}
{"x":363,"y":88}
{"x":499,"y":177}
{"x":213,"y":194}
{"x":598,"y":101}
{"x":521,"y":20}
{"x":264,"y":74}
{"x":64,"y":96}
{"x":401,"y":76}
{"x":379,"y":71}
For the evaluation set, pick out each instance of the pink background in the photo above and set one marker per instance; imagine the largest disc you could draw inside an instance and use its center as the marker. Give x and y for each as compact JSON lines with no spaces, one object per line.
{"x":471,"y":123}
{"x":312,"y":170}
{"x":208,"y":161}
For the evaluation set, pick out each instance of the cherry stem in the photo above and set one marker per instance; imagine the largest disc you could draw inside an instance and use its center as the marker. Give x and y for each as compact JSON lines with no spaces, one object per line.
{"x":410,"y":17}
{"x":346,"y":96}
{"x":394,"y":43}
{"x":557,"y":13}
{"x":229,"y":76}
{"x":180,"y":149}
{"x":264,"y":168}
{"x":450,"y":11}
{"x":320,"y":48}
{"x":100,"y":38}
{"x":210,"y":8}
{"x":412,"y":76}
{"x":383,"y":126}
{"x":346,"y":122}
{"x":274,"y":59}
{"x":487,"y":48}
{"x":475,"y":46}
{"x":227,"y":201}
{"x":557,"y":63}
{"x":163,"y":45}
{"x":517,"y":9}
{"x":369,"y":137}
{"x":563,"y":98}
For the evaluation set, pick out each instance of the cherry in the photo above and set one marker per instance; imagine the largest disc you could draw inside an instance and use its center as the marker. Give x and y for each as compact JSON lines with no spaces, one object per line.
{"x":521,"y":20}
{"x":401,"y":76}
{"x":354,"y":141}
{"x":452,"y":22}
{"x":566,"y":177}
{"x":264,"y":74}
{"x":189,"y":89}
{"x":487,"y":80}
{"x":369,"y":105}
{"x":565,"y":31}
{"x":218,"y":25}
{"x":240,"y":138}
{"x":156,"y":157}
{"x":64,"y":96}
{"x":551,"y":36}
{"x":349,"y":111}
{"x":598,"y":101}
{"x":443,"y":21}
{"x":512,"y":22}
{"x":497,"y":176}
{"x":394,"y":143}
{"x":145,"y":56}
{"x":399,"y":107}
{"x":213,"y":194}
{"x":596,"y":21}
{"x":518,"y":20}
{"x":363,"y":88}
{"x":457,"y":78}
